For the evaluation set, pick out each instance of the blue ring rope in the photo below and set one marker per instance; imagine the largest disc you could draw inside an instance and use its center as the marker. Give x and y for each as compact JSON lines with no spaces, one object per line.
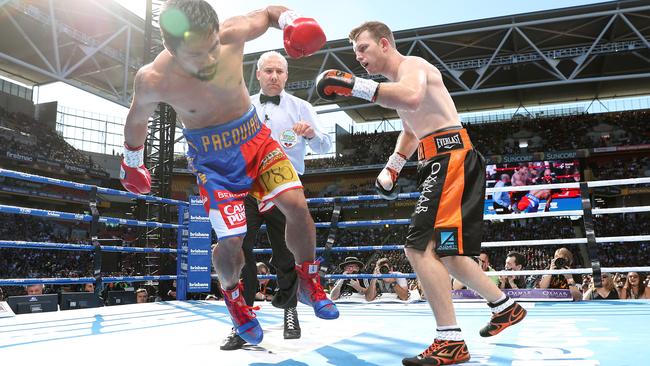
{"x":366,"y":197}
{"x":362,"y":248}
{"x":83,"y":217}
{"x":17,"y":244}
{"x":348,"y":276}
{"x":86,"y":187}
{"x":363,"y":223}
{"x":79,"y":280}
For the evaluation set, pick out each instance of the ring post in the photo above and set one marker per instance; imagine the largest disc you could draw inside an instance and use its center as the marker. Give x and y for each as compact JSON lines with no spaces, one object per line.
{"x":94,"y":228}
{"x":181,"y":255}
{"x":326,"y":255}
{"x":588,"y":222}
{"x":199,"y":244}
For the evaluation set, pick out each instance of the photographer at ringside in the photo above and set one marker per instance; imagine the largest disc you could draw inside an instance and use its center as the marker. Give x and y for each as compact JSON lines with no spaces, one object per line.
{"x":377,"y":287}
{"x":347,"y":287}
{"x":515,"y":261}
{"x":562,"y":259}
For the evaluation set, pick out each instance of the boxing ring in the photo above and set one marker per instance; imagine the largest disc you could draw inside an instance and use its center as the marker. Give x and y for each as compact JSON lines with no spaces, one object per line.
{"x":375,"y":333}
{"x":165,"y":333}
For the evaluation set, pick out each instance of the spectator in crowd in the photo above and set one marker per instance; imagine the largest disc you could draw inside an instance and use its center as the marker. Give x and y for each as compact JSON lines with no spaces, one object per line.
{"x":563,"y":259}
{"x":619,"y":282}
{"x":605,"y":292}
{"x":515,"y":261}
{"x":484,"y":262}
{"x":347,"y":287}
{"x":634,"y":287}
{"x":415,"y":285}
{"x":141,"y":296}
{"x":267,"y":286}
{"x":88,"y":287}
{"x":171,"y":293}
{"x":377,"y":287}
{"x":36,"y":289}
{"x":501,"y":200}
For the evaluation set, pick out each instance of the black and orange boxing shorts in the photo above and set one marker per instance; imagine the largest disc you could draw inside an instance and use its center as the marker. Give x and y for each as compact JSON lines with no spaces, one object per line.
{"x":451,"y":180}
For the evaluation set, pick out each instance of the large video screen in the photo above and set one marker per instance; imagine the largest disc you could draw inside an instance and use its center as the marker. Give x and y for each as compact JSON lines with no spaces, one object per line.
{"x":533,"y":173}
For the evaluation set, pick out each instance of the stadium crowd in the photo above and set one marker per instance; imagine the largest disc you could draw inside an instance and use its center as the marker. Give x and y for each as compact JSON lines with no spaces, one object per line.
{"x":20,"y":135}
{"x":584,"y":131}
{"x":24,"y":137}
{"x":26,"y":263}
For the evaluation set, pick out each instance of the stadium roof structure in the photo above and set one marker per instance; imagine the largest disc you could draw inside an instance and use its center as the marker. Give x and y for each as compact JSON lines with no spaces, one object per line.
{"x":579,"y":53}
{"x":94,"y":45}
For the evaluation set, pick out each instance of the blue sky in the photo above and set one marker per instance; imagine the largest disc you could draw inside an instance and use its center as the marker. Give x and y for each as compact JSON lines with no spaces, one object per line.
{"x":337,"y":17}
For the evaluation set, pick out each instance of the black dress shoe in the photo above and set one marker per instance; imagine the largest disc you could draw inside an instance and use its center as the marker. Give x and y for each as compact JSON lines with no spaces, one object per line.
{"x":291,"y":324}
{"x":232,"y":342}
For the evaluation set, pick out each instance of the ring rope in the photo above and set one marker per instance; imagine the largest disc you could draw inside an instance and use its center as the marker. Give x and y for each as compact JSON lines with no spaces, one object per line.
{"x":493,"y":217}
{"x":491,"y":273}
{"x":362,"y":248}
{"x":84,"y":217}
{"x":604,"y":239}
{"x":86,"y":187}
{"x":414,"y":195}
{"x":78,"y":280}
{"x":108,"y":191}
{"x":615,"y":210}
{"x":17,"y":244}
{"x":590,"y":184}
{"x":487,"y":244}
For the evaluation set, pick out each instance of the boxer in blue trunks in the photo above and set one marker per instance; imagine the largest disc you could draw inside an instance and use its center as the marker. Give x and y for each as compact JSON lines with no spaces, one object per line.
{"x":233,"y":159}
{"x":199,"y":73}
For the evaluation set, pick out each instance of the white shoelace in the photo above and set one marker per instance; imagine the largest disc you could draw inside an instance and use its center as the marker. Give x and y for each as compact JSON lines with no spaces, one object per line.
{"x":290,"y":319}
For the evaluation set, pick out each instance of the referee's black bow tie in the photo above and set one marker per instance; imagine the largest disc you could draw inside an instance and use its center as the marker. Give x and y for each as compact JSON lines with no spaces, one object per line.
{"x":274,"y":99}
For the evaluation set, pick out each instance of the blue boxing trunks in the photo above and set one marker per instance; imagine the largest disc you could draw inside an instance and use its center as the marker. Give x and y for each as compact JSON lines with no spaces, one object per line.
{"x":235,"y":158}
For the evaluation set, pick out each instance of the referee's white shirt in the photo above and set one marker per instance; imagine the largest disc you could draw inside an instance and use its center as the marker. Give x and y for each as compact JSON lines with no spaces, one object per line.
{"x":281,"y":118}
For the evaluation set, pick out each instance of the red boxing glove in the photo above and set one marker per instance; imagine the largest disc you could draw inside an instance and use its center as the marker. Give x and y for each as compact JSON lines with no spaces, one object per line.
{"x":302,"y":36}
{"x":134,"y":175}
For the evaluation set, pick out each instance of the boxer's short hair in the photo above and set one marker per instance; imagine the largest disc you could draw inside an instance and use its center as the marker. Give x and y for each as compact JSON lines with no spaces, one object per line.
{"x":181,"y":20}
{"x":377,"y":30}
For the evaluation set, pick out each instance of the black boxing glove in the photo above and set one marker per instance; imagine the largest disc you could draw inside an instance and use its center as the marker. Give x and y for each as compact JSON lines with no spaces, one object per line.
{"x":386,"y":183}
{"x":331,"y":83}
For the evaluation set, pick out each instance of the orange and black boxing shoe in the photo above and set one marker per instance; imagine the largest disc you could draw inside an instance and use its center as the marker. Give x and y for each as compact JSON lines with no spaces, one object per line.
{"x":504,"y":314}
{"x":440,"y":352}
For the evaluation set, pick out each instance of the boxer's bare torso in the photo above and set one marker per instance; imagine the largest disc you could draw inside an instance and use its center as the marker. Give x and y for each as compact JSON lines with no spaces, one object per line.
{"x":437,"y":110}
{"x":198,"y":103}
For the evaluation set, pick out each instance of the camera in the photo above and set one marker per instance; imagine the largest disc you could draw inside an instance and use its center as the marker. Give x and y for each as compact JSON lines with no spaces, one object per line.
{"x":560,"y":263}
{"x":384,"y":269}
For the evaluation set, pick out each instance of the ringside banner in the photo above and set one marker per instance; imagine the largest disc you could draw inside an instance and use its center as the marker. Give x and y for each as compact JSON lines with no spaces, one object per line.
{"x":199,"y":242}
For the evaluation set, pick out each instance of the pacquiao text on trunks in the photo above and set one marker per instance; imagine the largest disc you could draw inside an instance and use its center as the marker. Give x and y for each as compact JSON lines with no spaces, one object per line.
{"x":236,"y":135}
